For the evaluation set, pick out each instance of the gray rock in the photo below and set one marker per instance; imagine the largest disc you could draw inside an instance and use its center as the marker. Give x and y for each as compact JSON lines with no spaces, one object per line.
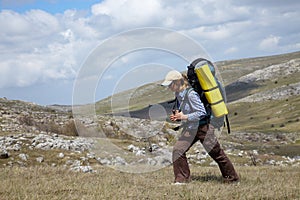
{"x":84,"y":169}
{"x":23,"y":156}
{"x":76,"y":163}
{"x":3,"y":154}
{"x":119,"y":161}
{"x":270,"y":162}
{"x":40,"y":159}
{"x":91,"y":155}
{"x":152,"y":161}
{"x":105,"y":161}
{"x":213,"y":163}
{"x":61,"y":155}
{"x":255,"y":152}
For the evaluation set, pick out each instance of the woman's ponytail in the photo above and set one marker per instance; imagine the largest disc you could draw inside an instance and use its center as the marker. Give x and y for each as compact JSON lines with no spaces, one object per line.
{"x":185,"y":82}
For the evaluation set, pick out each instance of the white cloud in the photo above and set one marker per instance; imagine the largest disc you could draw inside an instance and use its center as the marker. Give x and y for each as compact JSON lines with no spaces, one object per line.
{"x":211,"y":33}
{"x":125,"y":13}
{"x":270,"y":43}
{"x":36,"y":46}
{"x":231,"y":50}
{"x":27,"y":27}
{"x":68,"y":35}
{"x":28,"y":69}
{"x":108,"y":77}
{"x":19,"y":72}
{"x":291,"y":47}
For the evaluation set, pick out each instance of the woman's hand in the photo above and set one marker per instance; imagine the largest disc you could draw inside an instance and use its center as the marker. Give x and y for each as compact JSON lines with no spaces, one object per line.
{"x":177,"y":116}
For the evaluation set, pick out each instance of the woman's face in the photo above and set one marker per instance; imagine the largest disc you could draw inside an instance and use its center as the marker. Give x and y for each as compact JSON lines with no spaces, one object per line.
{"x":175,"y":86}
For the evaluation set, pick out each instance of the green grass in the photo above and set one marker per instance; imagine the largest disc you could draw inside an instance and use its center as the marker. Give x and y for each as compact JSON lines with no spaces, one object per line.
{"x":269,"y":116}
{"x":134,"y":99}
{"x":231,"y":70}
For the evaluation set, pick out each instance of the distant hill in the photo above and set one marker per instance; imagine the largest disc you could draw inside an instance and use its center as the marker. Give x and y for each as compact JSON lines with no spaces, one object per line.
{"x":251,"y":78}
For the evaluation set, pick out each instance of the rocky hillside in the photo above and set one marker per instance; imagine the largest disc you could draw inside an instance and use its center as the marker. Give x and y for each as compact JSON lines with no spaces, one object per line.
{"x":272,"y":82}
{"x":269,"y":84}
{"x":267,"y":99}
{"x":264,"y":104}
{"x":233,"y":73}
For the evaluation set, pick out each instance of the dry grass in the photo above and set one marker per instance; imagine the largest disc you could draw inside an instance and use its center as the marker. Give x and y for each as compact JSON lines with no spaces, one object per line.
{"x":57,"y":183}
{"x":69,"y":128}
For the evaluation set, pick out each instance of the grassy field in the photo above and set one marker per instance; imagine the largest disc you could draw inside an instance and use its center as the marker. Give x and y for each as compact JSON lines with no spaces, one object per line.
{"x":269,"y":116}
{"x":57,"y":183}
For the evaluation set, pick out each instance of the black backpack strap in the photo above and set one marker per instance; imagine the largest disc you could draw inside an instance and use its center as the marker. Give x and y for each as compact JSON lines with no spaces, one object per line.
{"x":195,"y":62}
{"x":227,"y":123}
{"x":185,"y":98}
{"x":206,"y":117}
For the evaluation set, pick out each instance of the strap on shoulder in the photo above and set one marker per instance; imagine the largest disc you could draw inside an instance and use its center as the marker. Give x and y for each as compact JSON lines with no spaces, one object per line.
{"x":185,"y":97}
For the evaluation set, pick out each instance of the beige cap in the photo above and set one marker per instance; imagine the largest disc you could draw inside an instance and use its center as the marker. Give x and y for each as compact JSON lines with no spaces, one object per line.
{"x":171,"y":76}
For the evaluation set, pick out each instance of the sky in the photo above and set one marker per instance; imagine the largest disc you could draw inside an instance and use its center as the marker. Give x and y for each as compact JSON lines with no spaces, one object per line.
{"x":46,"y":44}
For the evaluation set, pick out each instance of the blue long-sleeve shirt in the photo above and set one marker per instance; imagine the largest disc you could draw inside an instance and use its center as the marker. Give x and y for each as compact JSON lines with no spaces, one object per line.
{"x":192,"y":106}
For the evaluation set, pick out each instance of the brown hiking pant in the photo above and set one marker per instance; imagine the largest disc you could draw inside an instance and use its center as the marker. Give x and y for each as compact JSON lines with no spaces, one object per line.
{"x":209,"y":141}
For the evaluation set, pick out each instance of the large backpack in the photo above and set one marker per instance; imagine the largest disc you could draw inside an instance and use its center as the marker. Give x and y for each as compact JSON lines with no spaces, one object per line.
{"x":201,"y":76}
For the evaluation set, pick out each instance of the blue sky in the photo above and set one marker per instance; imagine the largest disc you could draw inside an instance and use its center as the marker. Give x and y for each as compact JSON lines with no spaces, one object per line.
{"x":51,"y":6}
{"x":44,"y":44}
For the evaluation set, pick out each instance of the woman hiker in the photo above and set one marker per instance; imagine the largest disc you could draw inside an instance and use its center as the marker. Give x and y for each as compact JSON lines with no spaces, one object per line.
{"x":196,"y":127}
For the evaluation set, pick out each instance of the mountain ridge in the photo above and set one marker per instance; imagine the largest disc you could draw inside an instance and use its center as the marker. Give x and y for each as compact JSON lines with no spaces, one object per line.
{"x":234,"y":74}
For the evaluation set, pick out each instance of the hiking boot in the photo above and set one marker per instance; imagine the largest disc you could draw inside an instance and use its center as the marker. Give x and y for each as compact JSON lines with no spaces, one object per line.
{"x":179,"y":183}
{"x":235,"y":182}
